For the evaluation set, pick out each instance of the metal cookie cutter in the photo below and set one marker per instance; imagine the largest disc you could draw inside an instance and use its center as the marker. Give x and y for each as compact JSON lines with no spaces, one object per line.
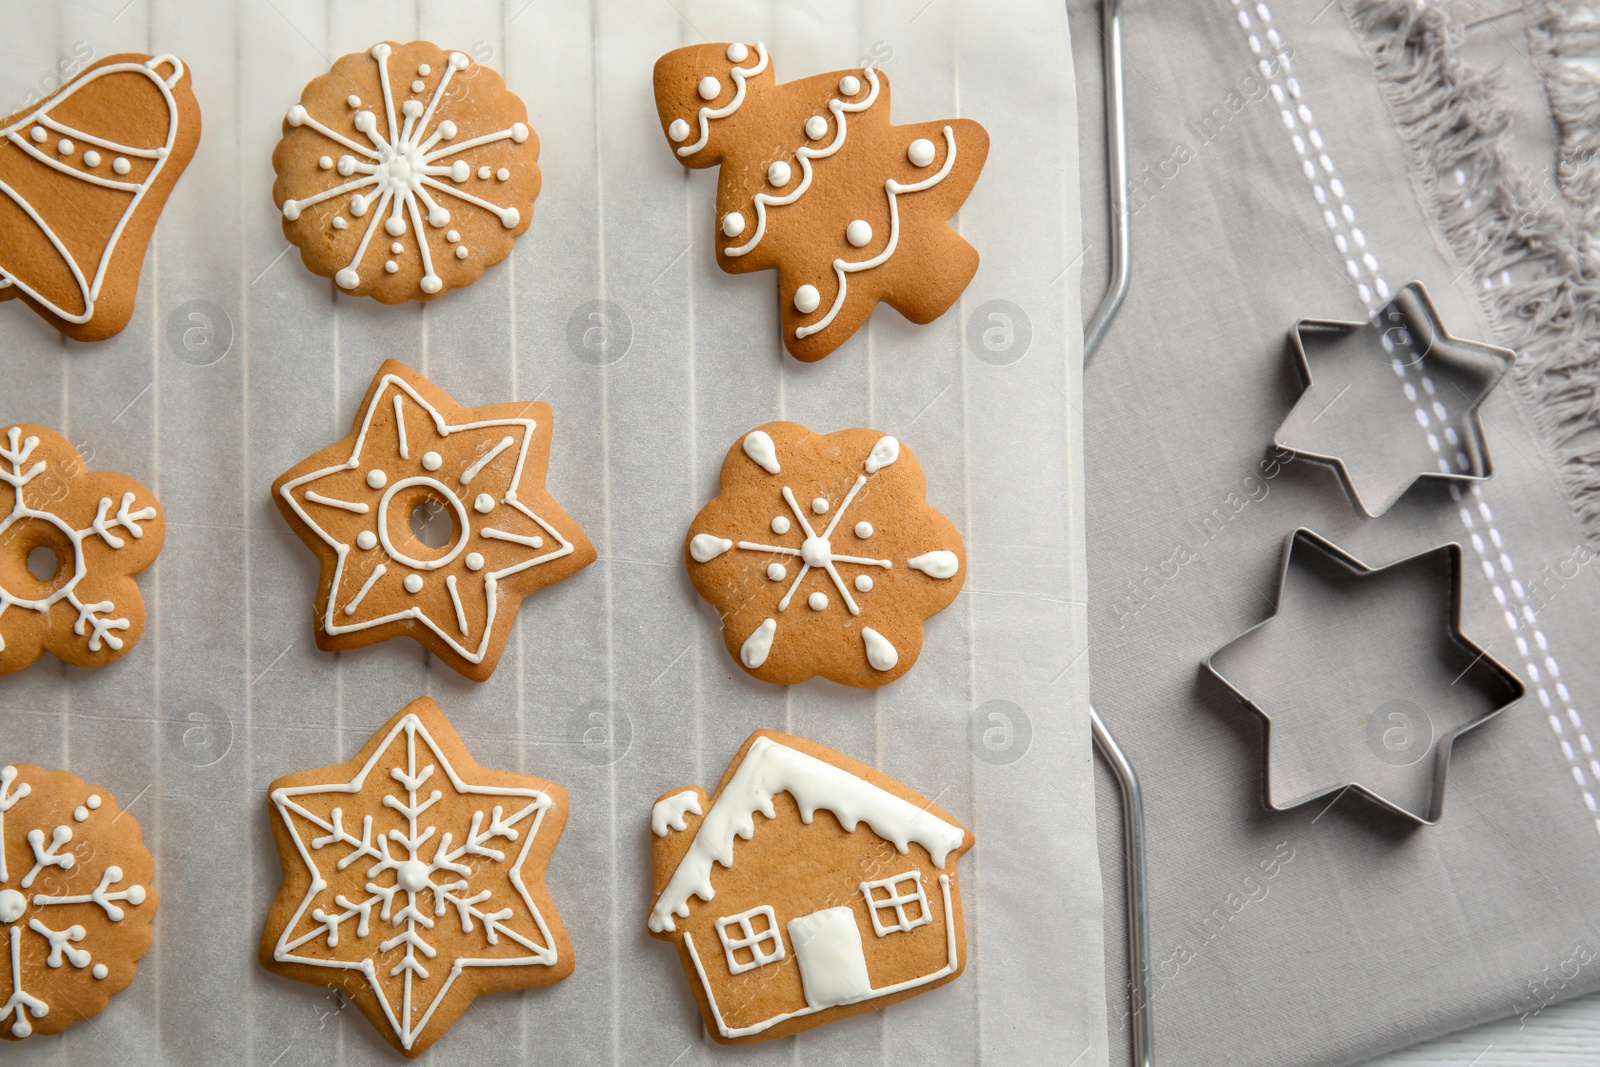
{"x":1331,"y":727}
{"x":1351,"y":415}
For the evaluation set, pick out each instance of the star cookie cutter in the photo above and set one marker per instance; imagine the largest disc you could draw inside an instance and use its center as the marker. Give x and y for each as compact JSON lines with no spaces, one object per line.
{"x":1408,"y":712}
{"x":1442,"y":382}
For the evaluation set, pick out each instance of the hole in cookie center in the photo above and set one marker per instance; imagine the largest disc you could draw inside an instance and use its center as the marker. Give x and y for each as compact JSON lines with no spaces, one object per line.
{"x":42,"y":556}
{"x":422,"y":522}
{"x":43,"y":563}
{"x":432,"y":523}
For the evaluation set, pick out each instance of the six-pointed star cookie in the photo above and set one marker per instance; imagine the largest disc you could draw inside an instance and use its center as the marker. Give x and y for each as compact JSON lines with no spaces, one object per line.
{"x":413,"y":879}
{"x":1364,"y":677}
{"x":1369,"y":385}
{"x":412,"y":448}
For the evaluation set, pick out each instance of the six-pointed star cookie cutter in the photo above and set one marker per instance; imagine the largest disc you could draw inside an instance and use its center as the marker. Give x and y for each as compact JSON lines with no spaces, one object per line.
{"x":1411,"y":334}
{"x":1335,"y":560}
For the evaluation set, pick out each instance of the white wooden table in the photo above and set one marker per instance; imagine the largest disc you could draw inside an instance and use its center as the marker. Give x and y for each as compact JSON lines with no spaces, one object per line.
{"x":1563,"y":1035}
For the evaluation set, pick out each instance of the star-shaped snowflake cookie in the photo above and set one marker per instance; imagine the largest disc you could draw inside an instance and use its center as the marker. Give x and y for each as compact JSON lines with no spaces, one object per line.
{"x":71,"y":541}
{"x":823,"y":556}
{"x":413,"y":448}
{"x":413,"y":879}
{"x":75,"y":900}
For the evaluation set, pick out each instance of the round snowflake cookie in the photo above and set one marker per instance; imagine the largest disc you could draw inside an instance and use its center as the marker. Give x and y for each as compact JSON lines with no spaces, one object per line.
{"x":405,"y":171}
{"x":75,"y":900}
{"x":822,"y":556}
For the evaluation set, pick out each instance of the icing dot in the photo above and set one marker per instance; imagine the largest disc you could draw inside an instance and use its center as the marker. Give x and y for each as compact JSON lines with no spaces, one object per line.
{"x":295,"y":117}
{"x":733,"y":224}
{"x":780,"y":524}
{"x":347,"y":278}
{"x":91,"y":158}
{"x":484,"y":172}
{"x":358,"y":205}
{"x":93,"y":803}
{"x":807,"y":299}
{"x":64,"y":146}
{"x":431,"y":461}
{"x":417,"y":86}
{"x":709,"y":88}
{"x":99,"y":971}
{"x":377,"y":479}
{"x":365,"y":121}
{"x":820,"y":505}
{"x":502,"y":175}
{"x":353,"y":100}
{"x":39,"y":134}
{"x":431,"y":283}
{"x":413,"y":583}
{"x":777,"y":572}
{"x":816,"y":127}
{"x":738,"y":53}
{"x":459,"y":171}
{"x":291,"y":209}
{"x":424,"y":70}
{"x":447,"y":130}
{"x":390,"y":265}
{"x":325,"y":162}
{"x":347,"y":164}
{"x":920,"y":152}
{"x":864,"y":583}
{"x":679,"y":130}
{"x":863,"y":530}
{"x":858,"y":233}
{"x":80,"y":813}
{"x":395,"y":248}
{"x":818,"y":601}
{"x":135,"y":892}
{"x":394,"y":225}
{"x":461,"y":252}
{"x":459,"y":61}
{"x":121,"y":166}
{"x":779,"y":174}
{"x":438,"y":216}
{"x":338,"y":222}
{"x":474,"y":561}
{"x":519,"y":132}
{"x":366,"y":540}
{"x":849,"y":85}
{"x":483,"y":504}
{"x":452,"y":236}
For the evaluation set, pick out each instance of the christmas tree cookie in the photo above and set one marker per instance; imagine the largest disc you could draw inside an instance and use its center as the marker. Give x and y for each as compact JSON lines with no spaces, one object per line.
{"x":817,"y":183}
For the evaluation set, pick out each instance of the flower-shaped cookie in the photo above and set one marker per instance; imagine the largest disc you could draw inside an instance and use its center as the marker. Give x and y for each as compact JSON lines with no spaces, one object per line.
{"x":71,"y":541}
{"x":412,"y":449}
{"x":75,"y":900}
{"x":822,"y":555}
{"x":405,"y":171}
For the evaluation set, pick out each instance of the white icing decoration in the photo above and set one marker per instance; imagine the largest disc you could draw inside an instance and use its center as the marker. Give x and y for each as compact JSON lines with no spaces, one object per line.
{"x":39,"y":134}
{"x":885,"y":452}
{"x":418,"y":85}
{"x":880,"y":653}
{"x":893,"y":189}
{"x":433,"y":461}
{"x":413,"y":583}
{"x":780,"y":524}
{"x":484,"y":172}
{"x":759,"y":447}
{"x":805,"y":154}
{"x":709,"y":88}
{"x":816,"y":127}
{"x":807,"y":299}
{"x":293,"y":492}
{"x":738,"y":52}
{"x":93,"y":616}
{"x":920,"y":152}
{"x":338,"y":222}
{"x":859,"y":233}
{"x":399,"y":165}
{"x":88,"y":288}
{"x":820,"y":505}
{"x":91,"y":158}
{"x":353,"y":100}
{"x":394,"y":921}
{"x":376,"y":479}
{"x":678,"y":130}
{"x":937,"y":564}
{"x":452,"y":236}
{"x":367,"y":540}
{"x":894,"y":901}
{"x":706,"y":114}
{"x":779,"y":174}
{"x":668,"y":814}
{"x":863,"y":529}
{"x":849,"y":85}
{"x":770,"y":768}
{"x":864,"y":583}
{"x":391,"y":266}
{"x":777,"y":572}
{"x":756,"y":940}
{"x":474,"y":561}
{"x":753,"y":653}
{"x":502,"y":175}
{"x":483,"y":503}
{"x":732,"y":224}
{"x":59,"y":944}
{"x":706,"y":547}
{"x":461,"y":252}
{"x":395,"y":248}
{"x":424,"y":70}
{"x":818,"y":601}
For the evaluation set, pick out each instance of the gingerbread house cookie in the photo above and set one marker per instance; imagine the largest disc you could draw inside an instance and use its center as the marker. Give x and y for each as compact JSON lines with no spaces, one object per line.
{"x":817,"y":183}
{"x":842,"y":898}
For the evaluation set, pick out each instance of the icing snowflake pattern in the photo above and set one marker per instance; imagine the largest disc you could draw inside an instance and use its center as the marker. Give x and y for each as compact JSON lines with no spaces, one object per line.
{"x":95,"y":561}
{"x":392,"y":892}
{"x":62,"y":890}
{"x":803,"y":542}
{"x":408,"y":172}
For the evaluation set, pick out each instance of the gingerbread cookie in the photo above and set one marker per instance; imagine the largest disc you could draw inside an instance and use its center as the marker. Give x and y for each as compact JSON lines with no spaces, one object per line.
{"x":822,"y":555}
{"x":75,"y":900}
{"x":413,"y":879}
{"x":817,"y":183}
{"x":843,"y":899}
{"x":86,"y":174}
{"x":405,"y":171}
{"x":414,"y":454}
{"x":71,"y":541}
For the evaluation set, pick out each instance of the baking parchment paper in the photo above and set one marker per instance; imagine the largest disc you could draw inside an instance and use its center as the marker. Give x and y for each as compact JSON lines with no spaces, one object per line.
{"x":239,"y":362}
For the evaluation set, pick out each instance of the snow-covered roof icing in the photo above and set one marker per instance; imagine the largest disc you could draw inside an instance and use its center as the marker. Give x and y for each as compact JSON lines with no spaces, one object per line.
{"x":770,"y":768}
